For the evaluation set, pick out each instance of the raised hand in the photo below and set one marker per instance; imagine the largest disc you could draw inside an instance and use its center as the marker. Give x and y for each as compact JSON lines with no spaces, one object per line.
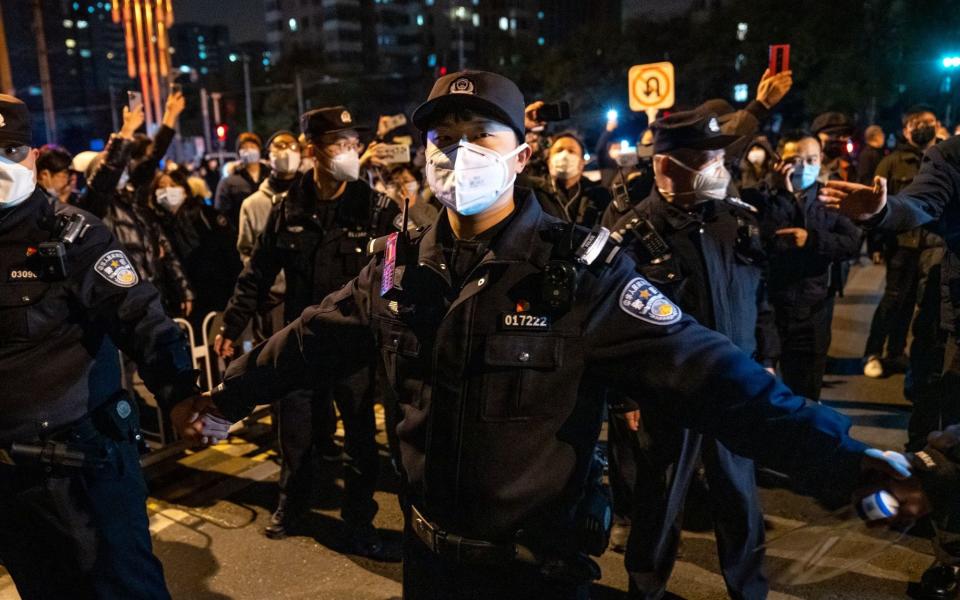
{"x":855,"y":201}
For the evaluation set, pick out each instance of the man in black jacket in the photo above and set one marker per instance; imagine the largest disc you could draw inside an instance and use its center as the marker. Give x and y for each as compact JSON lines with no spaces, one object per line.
{"x":712,"y":266}
{"x":499,"y":328}
{"x":566,"y":193}
{"x":891,"y":320}
{"x":318,"y":236}
{"x":808,"y":240}
{"x":73,"y":521}
{"x":932,"y":200}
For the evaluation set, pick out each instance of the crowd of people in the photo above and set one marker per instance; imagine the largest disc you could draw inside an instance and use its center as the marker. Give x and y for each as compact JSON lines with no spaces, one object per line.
{"x":723,"y":220}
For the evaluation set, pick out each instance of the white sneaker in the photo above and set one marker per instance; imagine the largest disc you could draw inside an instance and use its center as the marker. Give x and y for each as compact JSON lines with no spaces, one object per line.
{"x":873,"y":367}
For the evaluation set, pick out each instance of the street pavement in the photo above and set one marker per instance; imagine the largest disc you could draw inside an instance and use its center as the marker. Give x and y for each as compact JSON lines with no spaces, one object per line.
{"x":208,"y":509}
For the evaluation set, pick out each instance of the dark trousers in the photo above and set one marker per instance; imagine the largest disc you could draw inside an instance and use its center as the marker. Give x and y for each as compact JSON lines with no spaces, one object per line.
{"x":657,"y":519}
{"x":923,"y":384}
{"x":306,"y":419}
{"x":80,"y":534}
{"x":628,"y":456}
{"x":804,"y":343}
{"x":427,"y":576}
{"x":891,"y":320}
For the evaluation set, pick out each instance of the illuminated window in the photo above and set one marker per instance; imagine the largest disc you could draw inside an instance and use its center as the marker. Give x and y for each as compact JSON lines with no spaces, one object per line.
{"x":67,"y":23}
{"x":293,"y":24}
{"x":741,"y":92}
{"x":541,"y":41}
{"x":81,"y":24}
{"x":420,"y":20}
{"x":476,"y":19}
{"x":71,"y":43}
{"x":85,"y":53}
{"x":504,"y":24}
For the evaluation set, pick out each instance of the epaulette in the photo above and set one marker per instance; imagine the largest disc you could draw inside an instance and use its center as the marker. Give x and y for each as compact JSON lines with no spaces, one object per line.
{"x":378,"y":245}
{"x":738,"y":203}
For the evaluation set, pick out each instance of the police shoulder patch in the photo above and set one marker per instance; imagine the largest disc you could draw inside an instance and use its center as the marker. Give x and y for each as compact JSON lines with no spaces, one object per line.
{"x":641,"y":300}
{"x":115,"y":267}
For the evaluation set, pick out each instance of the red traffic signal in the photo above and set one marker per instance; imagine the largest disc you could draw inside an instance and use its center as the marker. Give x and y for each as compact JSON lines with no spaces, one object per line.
{"x":222,"y":132}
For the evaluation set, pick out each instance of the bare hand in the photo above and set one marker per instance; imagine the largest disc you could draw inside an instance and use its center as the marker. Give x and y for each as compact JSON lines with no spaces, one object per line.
{"x":223,"y":347}
{"x":946,"y":439}
{"x":132,"y":120}
{"x":633,"y":420}
{"x":782,"y":176}
{"x":371,"y":156}
{"x":185,"y":417}
{"x":773,"y":88}
{"x":854,"y":201}
{"x":771,"y":370}
{"x":531,"y":120}
{"x":175,"y":105}
{"x":799,"y":235}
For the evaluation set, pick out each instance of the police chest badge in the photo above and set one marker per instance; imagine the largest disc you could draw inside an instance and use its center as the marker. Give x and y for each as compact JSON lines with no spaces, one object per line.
{"x":641,"y":300}
{"x":115,"y":267}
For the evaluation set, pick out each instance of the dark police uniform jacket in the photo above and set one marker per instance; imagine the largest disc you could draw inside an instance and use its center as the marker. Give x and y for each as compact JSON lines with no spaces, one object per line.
{"x":585,"y":207}
{"x":58,"y":361}
{"x":502,"y":398}
{"x":933,"y":200}
{"x":319,"y":244}
{"x":715,"y":266}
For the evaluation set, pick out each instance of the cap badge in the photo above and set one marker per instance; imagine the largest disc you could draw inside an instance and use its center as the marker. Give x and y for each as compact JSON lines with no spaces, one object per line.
{"x":713,"y":125}
{"x":462,"y":86}
{"x":345,"y":117}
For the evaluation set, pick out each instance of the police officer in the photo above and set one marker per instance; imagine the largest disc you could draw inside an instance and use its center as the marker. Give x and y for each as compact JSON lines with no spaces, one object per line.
{"x":318,"y":236}
{"x":73,"y":520}
{"x":703,"y":249}
{"x":499,"y":327}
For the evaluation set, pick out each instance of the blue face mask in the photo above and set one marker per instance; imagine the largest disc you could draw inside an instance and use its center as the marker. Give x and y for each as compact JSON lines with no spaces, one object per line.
{"x":805,"y":176}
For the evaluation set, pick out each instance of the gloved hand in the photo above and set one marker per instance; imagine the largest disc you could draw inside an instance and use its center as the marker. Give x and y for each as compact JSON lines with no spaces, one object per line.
{"x":215,"y":428}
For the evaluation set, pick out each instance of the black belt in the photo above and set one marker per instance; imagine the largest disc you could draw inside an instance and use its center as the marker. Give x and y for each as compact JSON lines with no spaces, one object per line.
{"x":465,"y":550}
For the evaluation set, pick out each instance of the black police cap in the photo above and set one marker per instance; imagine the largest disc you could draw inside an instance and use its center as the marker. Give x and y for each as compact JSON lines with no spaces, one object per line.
{"x":14,"y":122}
{"x":691,"y":129}
{"x":483,"y":92}
{"x":321,"y":121}
{"x":833,"y":122}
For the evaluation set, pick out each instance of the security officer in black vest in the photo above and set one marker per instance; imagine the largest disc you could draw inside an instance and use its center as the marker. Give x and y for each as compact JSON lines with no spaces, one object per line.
{"x":703,"y":249}
{"x":498,"y":328}
{"x":318,"y":236}
{"x":73,"y":521}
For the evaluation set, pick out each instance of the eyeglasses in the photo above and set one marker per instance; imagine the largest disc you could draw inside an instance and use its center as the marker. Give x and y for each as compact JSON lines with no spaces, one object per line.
{"x":285,"y":145}
{"x":15,"y":153}
{"x":342,"y":146}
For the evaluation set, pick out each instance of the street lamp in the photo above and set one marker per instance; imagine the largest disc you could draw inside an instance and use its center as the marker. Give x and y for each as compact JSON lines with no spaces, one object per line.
{"x":951,"y":62}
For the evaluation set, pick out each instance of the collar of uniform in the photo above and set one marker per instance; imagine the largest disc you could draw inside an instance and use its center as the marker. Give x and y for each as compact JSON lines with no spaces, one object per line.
{"x":680,"y":219}
{"x":11,"y":218}
{"x":516,"y":243}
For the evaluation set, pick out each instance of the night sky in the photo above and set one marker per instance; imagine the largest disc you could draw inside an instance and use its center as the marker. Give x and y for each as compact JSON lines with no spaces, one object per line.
{"x":244,"y":18}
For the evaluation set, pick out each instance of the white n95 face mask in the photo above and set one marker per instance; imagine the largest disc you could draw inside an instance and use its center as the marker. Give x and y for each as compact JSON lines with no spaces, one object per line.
{"x":345,"y":166}
{"x":17,"y":182}
{"x":469,"y":178}
{"x":285,"y":161}
{"x":563,"y":165}
{"x":710,"y":182}
{"x":171,"y":197}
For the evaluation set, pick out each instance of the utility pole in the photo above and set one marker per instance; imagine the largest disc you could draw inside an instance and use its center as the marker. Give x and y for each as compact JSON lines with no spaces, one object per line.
{"x":49,"y":117}
{"x":205,"y":111}
{"x":246,"y":91}
{"x":298,"y":85}
{"x":216,"y":117}
{"x":6,"y":77}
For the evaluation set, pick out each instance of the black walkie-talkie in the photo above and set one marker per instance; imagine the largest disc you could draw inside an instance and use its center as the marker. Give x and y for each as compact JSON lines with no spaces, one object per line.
{"x":651,"y":248}
{"x":620,"y":192}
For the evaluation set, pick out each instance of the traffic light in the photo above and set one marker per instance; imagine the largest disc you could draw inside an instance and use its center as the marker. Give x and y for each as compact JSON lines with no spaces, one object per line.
{"x":222,"y":132}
